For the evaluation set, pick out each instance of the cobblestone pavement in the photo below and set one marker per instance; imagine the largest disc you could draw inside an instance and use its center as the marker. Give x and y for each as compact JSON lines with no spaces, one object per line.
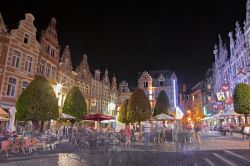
{"x":209,"y":142}
{"x":215,"y":151}
{"x":139,"y":158}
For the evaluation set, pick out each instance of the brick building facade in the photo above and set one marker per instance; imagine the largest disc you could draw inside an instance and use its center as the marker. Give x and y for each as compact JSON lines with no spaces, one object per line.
{"x":22,"y":57}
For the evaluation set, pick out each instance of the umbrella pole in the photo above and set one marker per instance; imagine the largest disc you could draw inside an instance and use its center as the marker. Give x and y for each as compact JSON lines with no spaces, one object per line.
{"x":98,"y":124}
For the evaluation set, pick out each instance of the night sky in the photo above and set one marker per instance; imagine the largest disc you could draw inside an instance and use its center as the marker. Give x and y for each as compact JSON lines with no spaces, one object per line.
{"x":129,"y":36}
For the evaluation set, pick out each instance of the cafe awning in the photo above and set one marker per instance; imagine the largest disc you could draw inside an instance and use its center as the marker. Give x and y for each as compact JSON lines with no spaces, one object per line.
{"x":3,"y":118}
{"x":3,"y":113}
{"x":97,"y":117}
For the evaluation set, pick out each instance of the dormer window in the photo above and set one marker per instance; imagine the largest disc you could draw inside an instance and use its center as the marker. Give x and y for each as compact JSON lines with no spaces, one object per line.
{"x":47,"y":47}
{"x":161,"y":83}
{"x":52,"y":52}
{"x":26,"y":39}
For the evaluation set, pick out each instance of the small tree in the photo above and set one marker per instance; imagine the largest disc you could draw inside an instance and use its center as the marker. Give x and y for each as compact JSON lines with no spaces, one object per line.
{"x":75,"y":104}
{"x":242,"y":99}
{"x":123,"y":113}
{"x":37,"y":102}
{"x":139,"y":108}
{"x":162,"y":104}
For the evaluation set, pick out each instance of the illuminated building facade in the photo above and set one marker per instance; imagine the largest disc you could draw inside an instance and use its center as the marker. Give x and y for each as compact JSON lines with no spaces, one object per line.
{"x":232,"y":64}
{"x":19,"y":60}
{"x":22,"y":57}
{"x":124,"y":92}
{"x":153,"y":82}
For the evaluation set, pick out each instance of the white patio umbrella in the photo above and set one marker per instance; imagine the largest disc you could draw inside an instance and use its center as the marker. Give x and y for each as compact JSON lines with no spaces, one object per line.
{"x":11,"y":127}
{"x":66,"y":116}
{"x":163,"y":117}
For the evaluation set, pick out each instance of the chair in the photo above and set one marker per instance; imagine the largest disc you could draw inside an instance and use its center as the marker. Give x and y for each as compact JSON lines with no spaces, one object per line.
{"x":5,"y":146}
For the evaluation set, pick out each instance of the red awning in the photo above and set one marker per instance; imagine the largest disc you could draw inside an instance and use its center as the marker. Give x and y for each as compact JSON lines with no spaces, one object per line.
{"x":97,"y":117}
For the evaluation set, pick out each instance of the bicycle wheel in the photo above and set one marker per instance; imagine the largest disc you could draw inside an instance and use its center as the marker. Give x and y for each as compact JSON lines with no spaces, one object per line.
{"x":84,"y":147}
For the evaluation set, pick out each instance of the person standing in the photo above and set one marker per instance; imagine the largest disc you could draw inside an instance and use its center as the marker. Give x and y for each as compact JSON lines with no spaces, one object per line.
{"x":146,"y":132}
{"x":127,"y":134}
{"x":158,"y":133}
{"x":197,"y":130}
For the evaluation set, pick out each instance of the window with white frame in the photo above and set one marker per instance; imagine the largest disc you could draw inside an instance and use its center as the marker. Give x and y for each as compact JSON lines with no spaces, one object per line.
{"x":47,"y":48}
{"x":26,"y":39}
{"x":28,"y":64}
{"x":52,"y":52}
{"x":11,"y":87}
{"x":24,"y":85}
{"x":42,"y":66}
{"x":87,"y":89}
{"x":53,"y":72}
{"x":1,"y":46}
{"x":48,"y":70}
{"x":15,"y":59}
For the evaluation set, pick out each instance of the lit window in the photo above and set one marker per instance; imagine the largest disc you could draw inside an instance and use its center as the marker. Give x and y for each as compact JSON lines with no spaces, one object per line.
{"x":42,"y":67}
{"x":28,"y":64}
{"x":24,"y":85}
{"x":15,"y":59}
{"x":11,"y":87}
{"x":26,"y":39}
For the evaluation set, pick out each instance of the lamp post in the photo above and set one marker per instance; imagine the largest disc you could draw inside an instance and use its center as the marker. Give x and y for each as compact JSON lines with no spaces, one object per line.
{"x":58,"y":91}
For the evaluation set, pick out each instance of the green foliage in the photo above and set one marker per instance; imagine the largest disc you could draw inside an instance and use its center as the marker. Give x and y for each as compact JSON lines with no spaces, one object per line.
{"x":162,"y":104}
{"x":37,"y":102}
{"x":242,"y":99}
{"x":123,"y":112}
{"x":75,"y":104}
{"x":139,"y":108}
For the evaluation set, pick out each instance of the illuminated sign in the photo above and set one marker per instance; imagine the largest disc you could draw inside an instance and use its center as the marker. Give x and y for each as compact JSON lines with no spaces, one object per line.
{"x":220,"y":96}
{"x":225,"y":87}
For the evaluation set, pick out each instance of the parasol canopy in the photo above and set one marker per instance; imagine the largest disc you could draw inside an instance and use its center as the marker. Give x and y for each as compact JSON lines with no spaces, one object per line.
{"x":2,"y":118}
{"x":66,"y":116}
{"x":230,"y":113}
{"x":11,"y":123}
{"x":3,"y":113}
{"x":97,"y":117}
{"x":163,"y":117}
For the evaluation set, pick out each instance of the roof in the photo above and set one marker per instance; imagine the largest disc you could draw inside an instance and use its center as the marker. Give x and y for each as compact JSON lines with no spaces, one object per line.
{"x":156,"y":73}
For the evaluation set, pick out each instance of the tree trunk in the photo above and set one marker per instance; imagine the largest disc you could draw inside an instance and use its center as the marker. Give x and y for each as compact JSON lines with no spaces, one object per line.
{"x":239,"y":117}
{"x":245,"y":118}
{"x":163,"y":122}
{"x":35,"y":125}
{"x":49,"y":124}
{"x":126,"y":125}
{"x":42,"y":127}
{"x":140,"y":126}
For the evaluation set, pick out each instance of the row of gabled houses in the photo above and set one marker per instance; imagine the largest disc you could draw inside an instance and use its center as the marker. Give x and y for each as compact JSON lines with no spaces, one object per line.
{"x":22,"y":57}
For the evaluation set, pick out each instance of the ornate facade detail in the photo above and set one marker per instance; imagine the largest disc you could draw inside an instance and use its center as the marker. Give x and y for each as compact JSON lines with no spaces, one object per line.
{"x":65,"y":62}
{"x":152,"y":85}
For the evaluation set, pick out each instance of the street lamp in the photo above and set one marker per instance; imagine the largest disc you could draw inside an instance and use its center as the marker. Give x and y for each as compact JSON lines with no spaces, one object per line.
{"x":58,"y":91}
